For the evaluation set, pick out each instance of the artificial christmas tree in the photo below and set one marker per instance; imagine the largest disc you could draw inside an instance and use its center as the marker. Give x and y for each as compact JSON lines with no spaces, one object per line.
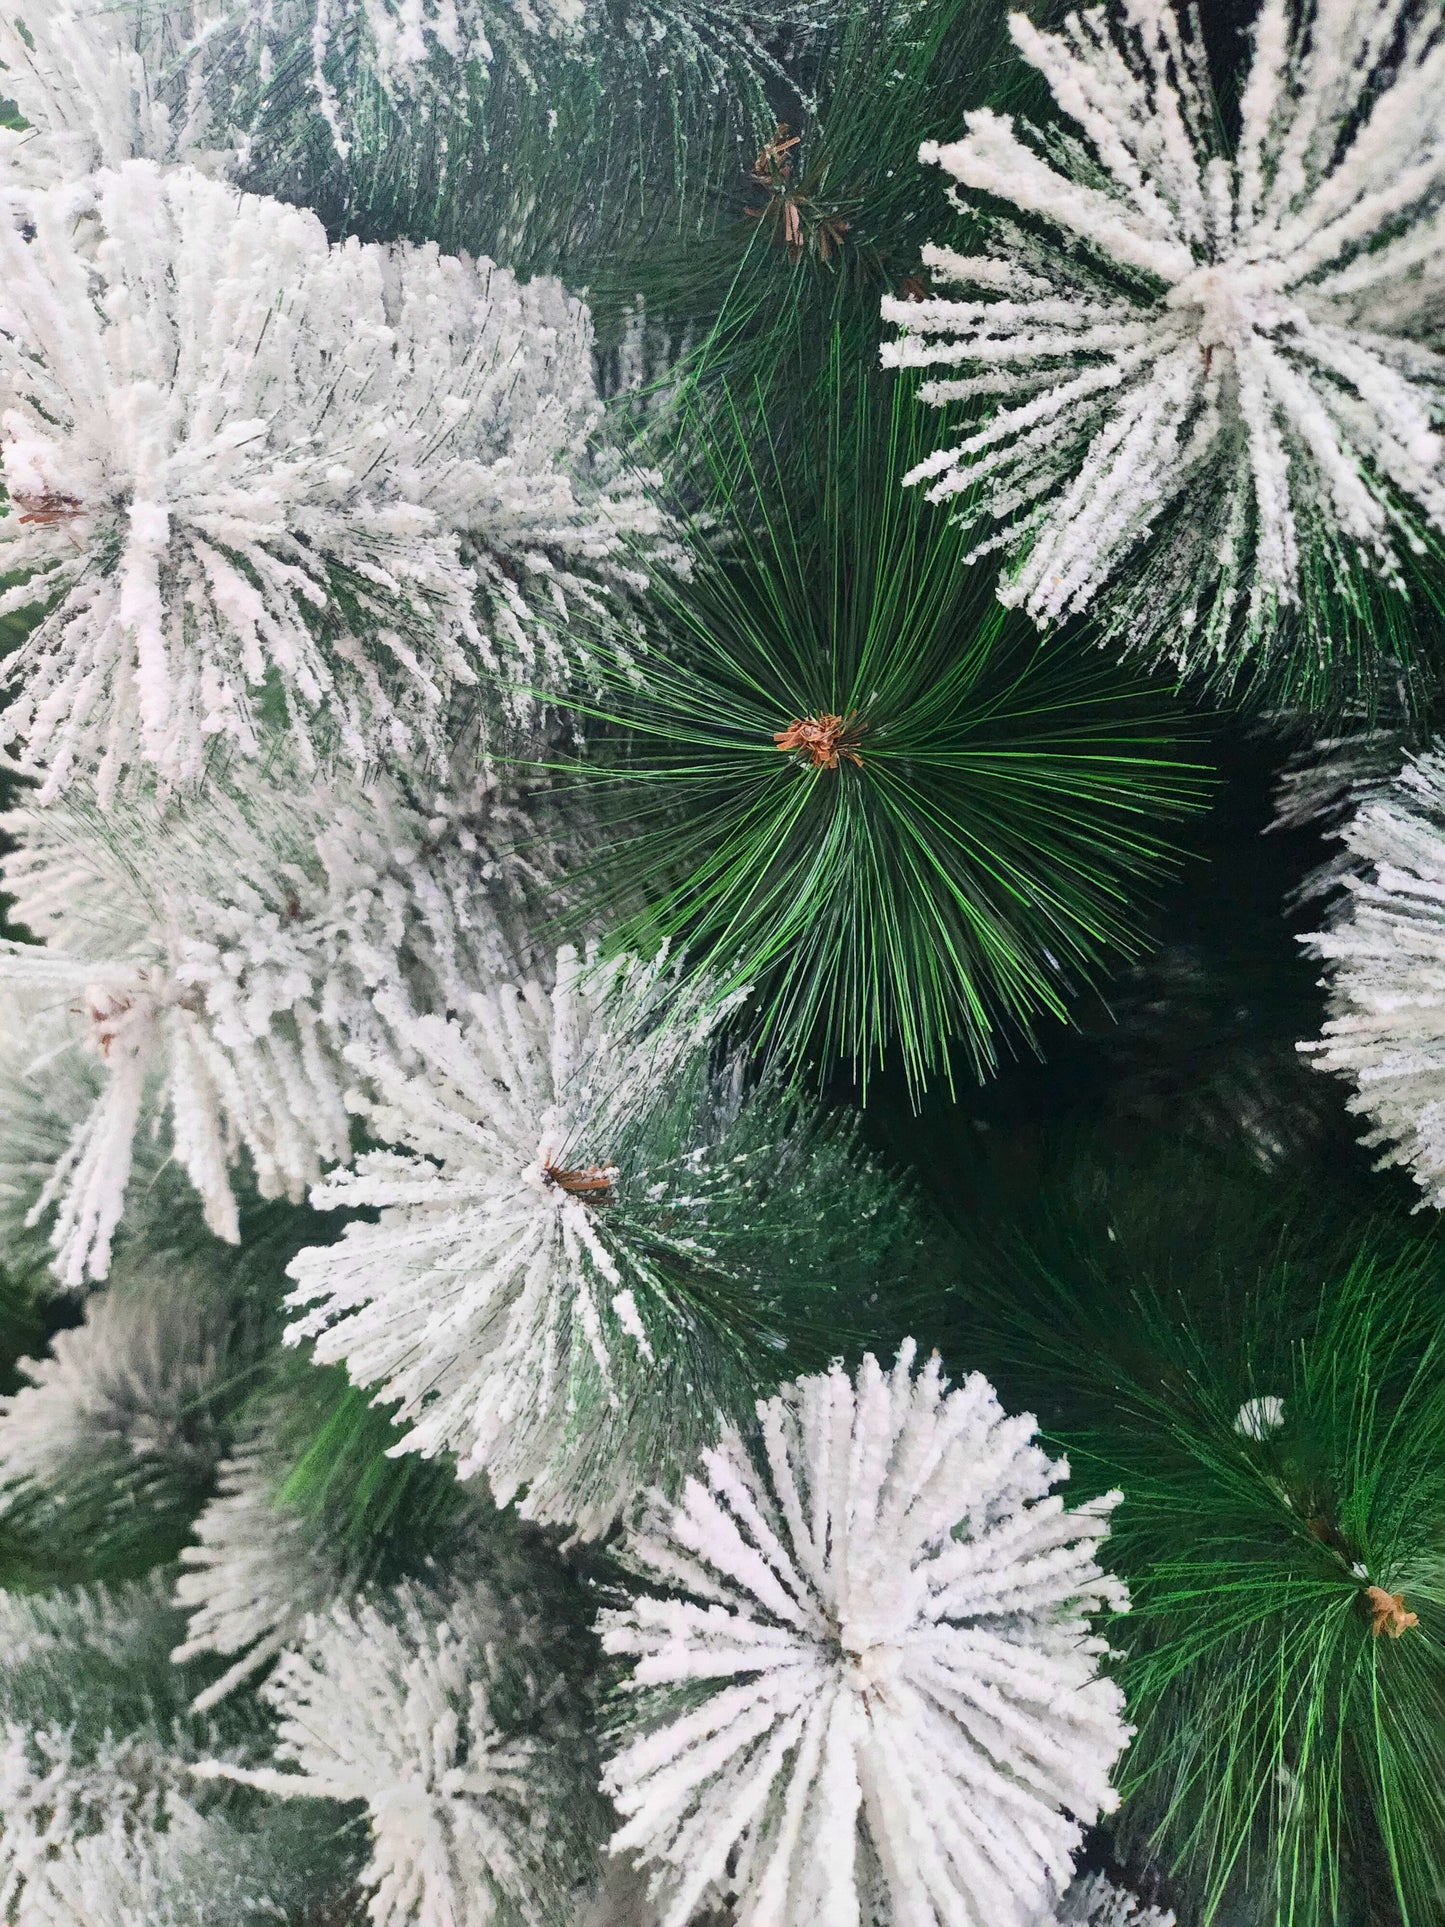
{"x":553,"y":919}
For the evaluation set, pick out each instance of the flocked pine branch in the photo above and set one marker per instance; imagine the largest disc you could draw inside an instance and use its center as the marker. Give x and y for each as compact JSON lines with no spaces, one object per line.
{"x":88,"y":1750}
{"x":874,"y":1671}
{"x":1322,"y":784}
{"x":1325,"y":782}
{"x":492,"y":1289}
{"x":259,"y":483}
{"x":212,"y":958}
{"x":101,"y":85}
{"x":110,"y":1837}
{"x":588,"y":1236}
{"x":47,"y":1089}
{"x":719,"y":38}
{"x":208,"y":1871}
{"x":420,"y":51}
{"x":258,"y":1571}
{"x":1384,"y":952}
{"x":170,"y":1877}
{"x":1214,"y":383}
{"x":101,"y":1819}
{"x":57,"y":1796}
{"x":403,"y":48}
{"x":54,"y":1634}
{"x":438,"y":1711}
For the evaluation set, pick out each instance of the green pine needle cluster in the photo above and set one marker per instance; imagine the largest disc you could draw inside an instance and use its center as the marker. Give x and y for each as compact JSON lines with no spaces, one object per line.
{"x":1263,"y":1377}
{"x":980,"y":838}
{"x":826,"y":212}
{"x":1291,"y":1741}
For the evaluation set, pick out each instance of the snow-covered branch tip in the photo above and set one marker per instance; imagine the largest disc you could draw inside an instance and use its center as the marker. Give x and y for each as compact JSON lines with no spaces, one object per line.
{"x":70,"y":1812}
{"x":263,"y":485}
{"x":478,"y":1816}
{"x":127,"y":1405}
{"x":519,"y":1272}
{"x":1216,"y":384}
{"x":101,"y":85}
{"x":1094,"y":1900}
{"x":257,"y":1573}
{"x":871,"y":1690}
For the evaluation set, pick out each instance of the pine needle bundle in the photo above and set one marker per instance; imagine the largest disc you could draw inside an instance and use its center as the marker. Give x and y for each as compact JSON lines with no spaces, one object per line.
{"x":595,"y":1238}
{"x":1202,"y":389}
{"x":824,"y":212}
{"x":202,"y":965}
{"x":873,"y":1693}
{"x":314,"y":1507}
{"x":453,"y":1717}
{"x":111,"y":1444}
{"x":1270,"y":1396}
{"x":1289,"y":1676}
{"x":857,"y":784}
{"x":101,"y":1817}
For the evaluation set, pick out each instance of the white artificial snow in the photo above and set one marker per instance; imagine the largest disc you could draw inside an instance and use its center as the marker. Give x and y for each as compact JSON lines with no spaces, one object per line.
{"x":402,"y":36}
{"x":415,"y":47}
{"x":497,"y":1270}
{"x":101,"y":84}
{"x":272,"y":485}
{"x":1252,"y":343}
{"x":47,"y":1630}
{"x":68,"y":1813}
{"x":1093,"y":1900}
{"x":221,"y":951}
{"x":46,"y":1088}
{"x":1325,"y":782}
{"x":255,"y":1577}
{"x":1384,"y":951}
{"x":883,"y":1678}
{"x":102,"y":1823}
{"x":389,"y":1703}
{"x":118,"y":1879}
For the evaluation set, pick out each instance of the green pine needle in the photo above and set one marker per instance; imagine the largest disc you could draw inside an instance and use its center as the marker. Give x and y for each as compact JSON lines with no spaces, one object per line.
{"x":767,"y":286}
{"x":551,"y":157}
{"x":997,"y":807}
